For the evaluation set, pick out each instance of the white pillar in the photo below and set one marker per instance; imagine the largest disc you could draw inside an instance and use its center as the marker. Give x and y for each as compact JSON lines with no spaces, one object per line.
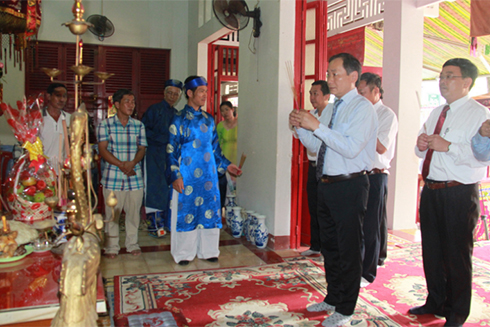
{"x":402,"y":79}
{"x":263,"y":112}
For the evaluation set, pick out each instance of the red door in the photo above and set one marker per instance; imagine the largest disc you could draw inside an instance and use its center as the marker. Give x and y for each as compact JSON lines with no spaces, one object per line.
{"x":222,"y":67}
{"x":310,"y":64}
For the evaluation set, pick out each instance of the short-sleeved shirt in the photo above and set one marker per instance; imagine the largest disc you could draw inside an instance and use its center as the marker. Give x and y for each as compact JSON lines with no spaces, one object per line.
{"x":123,"y":143}
{"x":49,"y":133}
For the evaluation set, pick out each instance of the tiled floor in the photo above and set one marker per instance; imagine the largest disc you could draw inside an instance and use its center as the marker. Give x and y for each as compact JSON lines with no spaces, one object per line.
{"x":156,"y":255}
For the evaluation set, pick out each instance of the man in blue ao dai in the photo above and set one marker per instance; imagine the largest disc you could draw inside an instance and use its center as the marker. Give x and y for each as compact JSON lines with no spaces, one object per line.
{"x":194,"y":162}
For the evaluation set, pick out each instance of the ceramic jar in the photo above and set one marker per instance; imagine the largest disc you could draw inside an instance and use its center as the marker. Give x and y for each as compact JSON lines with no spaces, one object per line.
{"x":230,"y":203}
{"x":251,"y":227}
{"x":261,"y":232}
{"x":246,"y":225}
{"x":236,"y":222}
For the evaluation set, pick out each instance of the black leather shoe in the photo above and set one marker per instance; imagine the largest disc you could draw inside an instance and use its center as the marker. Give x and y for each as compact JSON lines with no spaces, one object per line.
{"x":184,"y":262}
{"x":212,"y":259}
{"x":423,"y":310}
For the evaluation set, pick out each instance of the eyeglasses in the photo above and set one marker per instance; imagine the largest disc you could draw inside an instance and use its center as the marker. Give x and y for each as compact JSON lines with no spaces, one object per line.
{"x":448,"y":77}
{"x":174,"y":94}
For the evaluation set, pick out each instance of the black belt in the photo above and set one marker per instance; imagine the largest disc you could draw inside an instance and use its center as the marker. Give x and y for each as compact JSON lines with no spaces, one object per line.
{"x":377,"y":171}
{"x":340,"y":178}
{"x":435,"y":185}
{"x":312,"y":163}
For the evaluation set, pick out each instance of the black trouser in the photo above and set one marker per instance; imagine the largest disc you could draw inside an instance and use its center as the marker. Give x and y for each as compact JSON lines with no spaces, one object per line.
{"x":371,"y":226}
{"x":448,"y":217}
{"x":383,"y":231}
{"x":312,"y":192}
{"x":223,"y":182}
{"x":341,"y":209}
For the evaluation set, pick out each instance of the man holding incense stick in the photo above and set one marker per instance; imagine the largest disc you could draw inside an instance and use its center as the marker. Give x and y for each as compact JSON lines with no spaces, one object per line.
{"x":194,"y":160}
{"x":344,"y":139}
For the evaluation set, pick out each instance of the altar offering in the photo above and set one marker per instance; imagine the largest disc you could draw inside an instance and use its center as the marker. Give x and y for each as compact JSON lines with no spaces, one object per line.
{"x":31,"y":180}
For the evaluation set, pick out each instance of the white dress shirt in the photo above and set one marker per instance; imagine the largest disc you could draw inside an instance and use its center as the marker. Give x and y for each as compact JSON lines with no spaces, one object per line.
{"x":387,"y":130}
{"x":49,"y":134}
{"x":462,"y":122}
{"x":351,"y":142}
{"x":312,"y":155}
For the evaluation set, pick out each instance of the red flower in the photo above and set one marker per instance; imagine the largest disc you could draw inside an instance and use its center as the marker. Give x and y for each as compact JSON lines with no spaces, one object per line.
{"x":41,"y":185}
{"x":11,"y":198}
{"x":35,"y":206}
{"x":48,"y":193}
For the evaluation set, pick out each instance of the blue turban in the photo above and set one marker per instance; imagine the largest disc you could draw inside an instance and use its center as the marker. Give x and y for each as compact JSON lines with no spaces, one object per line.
{"x":175,"y":83}
{"x":198,"y":81}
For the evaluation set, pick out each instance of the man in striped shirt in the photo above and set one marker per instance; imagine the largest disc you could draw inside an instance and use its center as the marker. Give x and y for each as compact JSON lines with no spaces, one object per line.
{"x":122,"y":144}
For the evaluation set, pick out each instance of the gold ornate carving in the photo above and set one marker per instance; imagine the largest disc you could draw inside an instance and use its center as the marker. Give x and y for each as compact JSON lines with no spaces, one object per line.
{"x":81,"y":256}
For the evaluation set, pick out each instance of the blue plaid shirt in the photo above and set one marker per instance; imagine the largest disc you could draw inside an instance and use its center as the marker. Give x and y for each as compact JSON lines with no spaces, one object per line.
{"x":123,"y":144}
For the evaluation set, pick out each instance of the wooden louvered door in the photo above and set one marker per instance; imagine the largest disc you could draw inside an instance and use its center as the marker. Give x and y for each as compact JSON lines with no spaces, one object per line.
{"x":144,"y":71}
{"x":154,"y":70}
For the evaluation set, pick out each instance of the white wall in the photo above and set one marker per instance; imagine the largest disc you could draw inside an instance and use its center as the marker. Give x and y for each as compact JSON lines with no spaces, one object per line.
{"x":138,"y":23}
{"x":265,"y":103}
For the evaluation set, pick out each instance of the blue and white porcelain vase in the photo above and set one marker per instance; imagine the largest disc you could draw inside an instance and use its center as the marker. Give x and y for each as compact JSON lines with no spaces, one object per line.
{"x":231,"y":202}
{"x":237,"y":222}
{"x":261,"y":233}
{"x":251,"y":227}
{"x":247,"y":222}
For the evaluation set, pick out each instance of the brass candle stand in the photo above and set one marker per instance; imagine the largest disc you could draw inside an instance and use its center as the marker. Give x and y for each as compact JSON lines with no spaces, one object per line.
{"x":77,"y":26}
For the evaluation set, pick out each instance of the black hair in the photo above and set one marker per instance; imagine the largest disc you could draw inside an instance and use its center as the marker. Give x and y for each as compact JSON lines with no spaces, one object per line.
{"x":324,"y":86}
{"x":226,"y":103}
{"x":350,"y":63}
{"x":54,"y":86}
{"x":188,"y":79}
{"x":373,"y":80}
{"x":229,"y":104}
{"x":468,"y":69}
{"x":119,"y":94}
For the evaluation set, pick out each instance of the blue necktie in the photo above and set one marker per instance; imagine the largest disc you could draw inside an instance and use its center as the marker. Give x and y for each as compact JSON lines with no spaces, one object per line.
{"x":323,"y":149}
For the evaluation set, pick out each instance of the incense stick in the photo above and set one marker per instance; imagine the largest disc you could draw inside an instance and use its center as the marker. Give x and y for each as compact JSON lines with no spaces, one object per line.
{"x":289,"y":68}
{"x":242,"y":160}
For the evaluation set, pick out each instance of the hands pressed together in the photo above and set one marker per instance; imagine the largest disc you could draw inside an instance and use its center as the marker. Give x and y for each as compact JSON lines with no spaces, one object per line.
{"x":127,"y":167}
{"x":434,"y":141}
{"x":304,"y":119}
{"x":485,"y":128}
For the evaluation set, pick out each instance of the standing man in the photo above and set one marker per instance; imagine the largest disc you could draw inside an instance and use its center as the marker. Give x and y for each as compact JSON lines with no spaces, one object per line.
{"x":194,"y":160}
{"x":122,"y":144}
{"x":319,"y":96}
{"x":345,"y":142}
{"x":157,"y":119}
{"x":449,"y":203}
{"x":55,"y":125}
{"x":374,"y":227}
{"x":480,"y":143}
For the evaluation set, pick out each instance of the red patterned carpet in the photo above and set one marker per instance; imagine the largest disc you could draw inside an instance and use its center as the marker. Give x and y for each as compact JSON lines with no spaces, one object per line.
{"x":278,"y":294}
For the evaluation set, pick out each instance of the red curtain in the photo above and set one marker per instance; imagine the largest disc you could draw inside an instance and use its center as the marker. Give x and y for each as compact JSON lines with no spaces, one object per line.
{"x":480,"y":22}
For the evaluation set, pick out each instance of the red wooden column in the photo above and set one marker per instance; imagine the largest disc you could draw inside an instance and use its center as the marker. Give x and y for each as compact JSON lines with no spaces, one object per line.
{"x":300,"y":231}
